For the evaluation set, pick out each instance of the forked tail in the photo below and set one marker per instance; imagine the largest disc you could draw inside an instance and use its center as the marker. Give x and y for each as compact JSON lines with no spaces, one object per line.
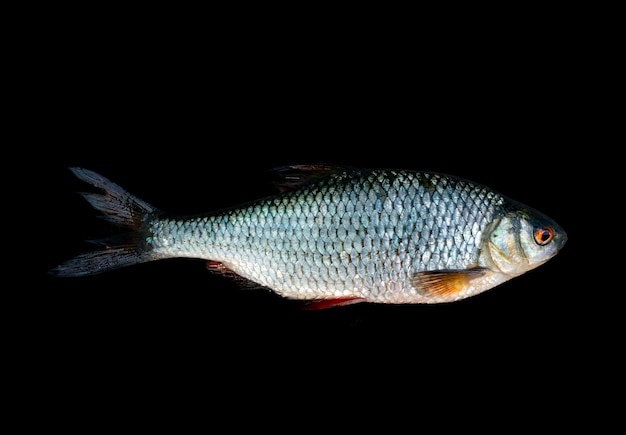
{"x":122,"y":209}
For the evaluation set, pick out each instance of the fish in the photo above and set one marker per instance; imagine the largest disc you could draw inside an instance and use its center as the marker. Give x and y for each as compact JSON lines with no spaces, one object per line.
{"x":337,"y":235}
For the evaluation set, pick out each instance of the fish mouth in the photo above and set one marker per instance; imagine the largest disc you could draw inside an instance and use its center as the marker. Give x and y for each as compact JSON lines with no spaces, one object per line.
{"x":560,"y":240}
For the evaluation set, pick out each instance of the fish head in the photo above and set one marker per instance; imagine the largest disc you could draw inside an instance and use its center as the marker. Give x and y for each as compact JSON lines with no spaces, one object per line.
{"x":521,"y":240}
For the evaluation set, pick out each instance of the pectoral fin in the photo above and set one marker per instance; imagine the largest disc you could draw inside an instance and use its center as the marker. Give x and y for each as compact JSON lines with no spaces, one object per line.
{"x":445,"y":283}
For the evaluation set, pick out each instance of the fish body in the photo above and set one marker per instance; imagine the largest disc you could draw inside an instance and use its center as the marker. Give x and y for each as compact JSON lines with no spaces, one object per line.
{"x":335,"y":236}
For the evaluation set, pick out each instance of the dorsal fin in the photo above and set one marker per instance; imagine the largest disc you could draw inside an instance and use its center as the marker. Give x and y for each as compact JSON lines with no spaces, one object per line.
{"x":294,"y":176}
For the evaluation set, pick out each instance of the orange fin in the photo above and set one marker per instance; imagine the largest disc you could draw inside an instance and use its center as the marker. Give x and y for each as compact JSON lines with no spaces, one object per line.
{"x":321,"y":304}
{"x":294,"y":176}
{"x":445,"y":282}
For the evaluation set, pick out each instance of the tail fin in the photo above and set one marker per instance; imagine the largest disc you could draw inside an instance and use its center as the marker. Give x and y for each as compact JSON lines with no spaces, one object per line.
{"x":122,"y":209}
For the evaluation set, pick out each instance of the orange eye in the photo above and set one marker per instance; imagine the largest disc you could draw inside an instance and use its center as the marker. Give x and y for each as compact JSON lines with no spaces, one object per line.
{"x":543,"y":235}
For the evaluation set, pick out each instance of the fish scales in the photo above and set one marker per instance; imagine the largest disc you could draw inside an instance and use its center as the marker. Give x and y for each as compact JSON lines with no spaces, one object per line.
{"x":351,"y":235}
{"x":328,"y":265}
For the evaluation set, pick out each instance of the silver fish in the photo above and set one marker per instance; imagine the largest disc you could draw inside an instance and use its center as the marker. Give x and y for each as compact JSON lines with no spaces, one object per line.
{"x":339,"y":235}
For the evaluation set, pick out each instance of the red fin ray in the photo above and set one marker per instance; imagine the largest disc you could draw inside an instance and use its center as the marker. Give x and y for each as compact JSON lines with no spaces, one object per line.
{"x":322,"y":304}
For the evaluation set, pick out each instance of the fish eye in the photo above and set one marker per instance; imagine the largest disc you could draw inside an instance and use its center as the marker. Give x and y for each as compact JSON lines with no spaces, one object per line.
{"x":543,"y":235}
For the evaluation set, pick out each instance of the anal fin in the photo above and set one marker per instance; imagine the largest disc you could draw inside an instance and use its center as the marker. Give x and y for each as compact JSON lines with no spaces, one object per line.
{"x":223,"y":270}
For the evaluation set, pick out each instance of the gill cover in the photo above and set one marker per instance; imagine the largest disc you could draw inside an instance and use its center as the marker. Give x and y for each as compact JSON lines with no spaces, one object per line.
{"x":523,"y":240}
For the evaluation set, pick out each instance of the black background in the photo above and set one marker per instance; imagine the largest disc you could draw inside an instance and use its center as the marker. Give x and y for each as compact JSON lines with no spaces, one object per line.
{"x":192,"y":120}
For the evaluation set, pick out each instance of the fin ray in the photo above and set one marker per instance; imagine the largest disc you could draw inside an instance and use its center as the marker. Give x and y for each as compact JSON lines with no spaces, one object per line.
{"x":116,"y":204}
{"x":120,"y":208}
{"x":91,"y":263}
{"x":444,"y":283}
{"x":294,"y":176}
{"x":322,"y":304}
